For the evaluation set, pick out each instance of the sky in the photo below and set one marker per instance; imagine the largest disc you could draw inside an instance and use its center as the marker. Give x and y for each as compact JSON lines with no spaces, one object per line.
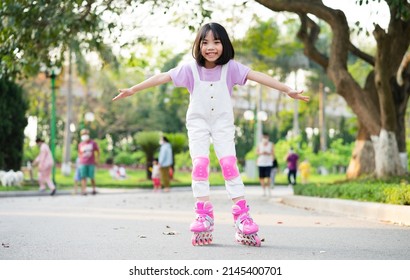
{"x":366,"y":14}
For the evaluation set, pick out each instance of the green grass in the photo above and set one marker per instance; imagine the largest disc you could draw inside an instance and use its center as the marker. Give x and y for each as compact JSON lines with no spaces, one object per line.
{"x":136,"y":178}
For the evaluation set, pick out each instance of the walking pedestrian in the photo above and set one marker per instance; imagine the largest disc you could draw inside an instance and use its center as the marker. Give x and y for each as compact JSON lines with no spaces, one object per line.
{"x":45,"y":163}
{"x":292,"y":160}
{"x":266,"y":153}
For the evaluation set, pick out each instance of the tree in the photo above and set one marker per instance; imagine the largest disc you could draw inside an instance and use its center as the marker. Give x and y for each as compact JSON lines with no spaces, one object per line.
{"x":380,"y":104}
{"x":35,"y":35}
{"x":12,"y":124}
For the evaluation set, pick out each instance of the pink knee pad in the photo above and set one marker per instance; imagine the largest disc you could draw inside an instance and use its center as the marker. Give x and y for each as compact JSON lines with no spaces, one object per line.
{"x":229,"y":168}
{"x":200,"y":169}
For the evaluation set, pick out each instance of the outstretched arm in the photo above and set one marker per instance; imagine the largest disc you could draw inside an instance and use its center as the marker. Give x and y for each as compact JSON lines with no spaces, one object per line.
{"x":153,"y":81}
{"x":268,"y":81}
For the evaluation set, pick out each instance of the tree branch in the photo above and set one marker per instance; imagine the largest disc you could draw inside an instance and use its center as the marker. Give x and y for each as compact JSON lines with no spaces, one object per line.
{"x":359,"y":53}
{"x":308,"y":34}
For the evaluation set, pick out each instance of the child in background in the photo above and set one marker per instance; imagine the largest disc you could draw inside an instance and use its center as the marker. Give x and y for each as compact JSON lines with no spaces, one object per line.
{"x":156,"y":175}
{"x":304,"y":168}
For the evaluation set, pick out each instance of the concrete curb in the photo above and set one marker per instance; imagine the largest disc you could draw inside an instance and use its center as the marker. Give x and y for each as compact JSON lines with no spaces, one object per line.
{"x":64,"y":192}
{"x":397,"y":214}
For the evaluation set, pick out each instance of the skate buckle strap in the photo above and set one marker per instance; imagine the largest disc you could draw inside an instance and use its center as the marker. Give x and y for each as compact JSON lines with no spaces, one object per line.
{"x":244,"y":219}
{"x":203,"y":218}
{"x":240,"y":211}
{"x":206,"y":211}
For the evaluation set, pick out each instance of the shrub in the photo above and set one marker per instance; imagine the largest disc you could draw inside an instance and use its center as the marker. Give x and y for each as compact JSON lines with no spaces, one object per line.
{"x":124,"y":158}
{"x":392,"y":191}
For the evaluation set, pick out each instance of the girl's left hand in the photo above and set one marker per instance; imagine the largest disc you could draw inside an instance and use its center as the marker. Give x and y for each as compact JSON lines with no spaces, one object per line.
{"x":297,"y":94}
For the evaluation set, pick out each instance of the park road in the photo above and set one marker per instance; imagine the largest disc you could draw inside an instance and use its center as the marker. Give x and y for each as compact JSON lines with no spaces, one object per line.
{"x":142,"y":225}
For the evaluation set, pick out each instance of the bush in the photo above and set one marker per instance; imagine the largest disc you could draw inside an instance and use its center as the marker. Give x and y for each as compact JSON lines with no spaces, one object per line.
{"x":398,"y":195}
{"x":183,"y":160}
{"x":392,"y":191}
{"x":124,"y":158}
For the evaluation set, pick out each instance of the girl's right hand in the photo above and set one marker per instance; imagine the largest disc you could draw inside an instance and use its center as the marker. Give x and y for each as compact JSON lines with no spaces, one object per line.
{"x":123,"y":93}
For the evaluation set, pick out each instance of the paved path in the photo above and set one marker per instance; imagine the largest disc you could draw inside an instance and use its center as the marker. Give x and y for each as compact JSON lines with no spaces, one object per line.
{"x":140,"y":224}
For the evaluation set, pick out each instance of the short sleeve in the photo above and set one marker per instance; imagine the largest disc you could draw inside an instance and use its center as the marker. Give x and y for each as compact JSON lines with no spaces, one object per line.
{"x":237,"y":73}
{"x":182,"y":77}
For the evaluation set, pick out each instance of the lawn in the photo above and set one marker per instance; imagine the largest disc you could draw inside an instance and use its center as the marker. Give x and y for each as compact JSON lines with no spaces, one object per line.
{"x":136,"y":178}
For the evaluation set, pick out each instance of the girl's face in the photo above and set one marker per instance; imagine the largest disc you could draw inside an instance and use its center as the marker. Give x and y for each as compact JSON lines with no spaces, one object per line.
{"x":211,"y":49}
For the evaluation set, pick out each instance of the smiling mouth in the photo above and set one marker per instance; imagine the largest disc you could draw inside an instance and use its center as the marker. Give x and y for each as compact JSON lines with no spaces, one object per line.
{"x":211,"y":54}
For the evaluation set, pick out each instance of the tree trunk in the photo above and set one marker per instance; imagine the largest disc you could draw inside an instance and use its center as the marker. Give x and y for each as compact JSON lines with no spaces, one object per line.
{"x":401,"y":92}
{"x":363,"y":156}
{"x":387,"y":157}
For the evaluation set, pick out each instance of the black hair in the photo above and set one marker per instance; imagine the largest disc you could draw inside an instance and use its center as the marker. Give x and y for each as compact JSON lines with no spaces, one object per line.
{"x":165,"y":139}
{"x":38,"y":140}
{"x":219,"y":33}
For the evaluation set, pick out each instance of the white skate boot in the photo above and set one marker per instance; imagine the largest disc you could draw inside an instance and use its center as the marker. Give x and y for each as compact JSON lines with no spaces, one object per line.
{"x":203,"y":225}
{"x":246,"y":229}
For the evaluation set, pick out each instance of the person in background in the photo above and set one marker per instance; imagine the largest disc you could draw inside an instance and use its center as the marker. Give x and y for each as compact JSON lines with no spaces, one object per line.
{"x":156,"y":175}
{"x":304,"y":168}
{"x":122,"y":172}
{"x":165,"y":162}
{"x":274,"y":171}
{"x":89,"y":154}
{"x":265,"y":152}
{"x":292,"y":160}
{"x":45,"y":163}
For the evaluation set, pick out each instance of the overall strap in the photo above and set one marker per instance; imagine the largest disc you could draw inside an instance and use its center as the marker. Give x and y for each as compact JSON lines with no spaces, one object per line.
{"x":195,"y":71}
{"x":224,"y":71}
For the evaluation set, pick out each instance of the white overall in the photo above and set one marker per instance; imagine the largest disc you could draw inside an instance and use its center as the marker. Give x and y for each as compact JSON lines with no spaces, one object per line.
{"x":210,"y":115}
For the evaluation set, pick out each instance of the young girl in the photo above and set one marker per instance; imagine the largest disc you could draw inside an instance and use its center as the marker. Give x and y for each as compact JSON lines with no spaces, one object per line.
{"x":210,"y":79}
{"x":156,"y":175}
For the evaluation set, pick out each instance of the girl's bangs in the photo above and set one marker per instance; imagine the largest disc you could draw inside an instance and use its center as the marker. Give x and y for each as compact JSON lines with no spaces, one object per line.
{"x":214,"y":32}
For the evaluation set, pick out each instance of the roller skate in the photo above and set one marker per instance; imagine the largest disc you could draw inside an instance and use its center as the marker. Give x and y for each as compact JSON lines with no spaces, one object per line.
{"x":203,"y":225}
{"x":246,"y":229}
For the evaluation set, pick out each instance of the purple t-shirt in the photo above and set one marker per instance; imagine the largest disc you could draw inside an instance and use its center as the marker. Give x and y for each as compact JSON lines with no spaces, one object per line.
{"x":292,"y":161}
{"x":182,"y":76}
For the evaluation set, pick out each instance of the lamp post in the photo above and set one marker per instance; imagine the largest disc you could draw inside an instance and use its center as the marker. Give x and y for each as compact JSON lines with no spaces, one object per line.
{"x":53,"y":128}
